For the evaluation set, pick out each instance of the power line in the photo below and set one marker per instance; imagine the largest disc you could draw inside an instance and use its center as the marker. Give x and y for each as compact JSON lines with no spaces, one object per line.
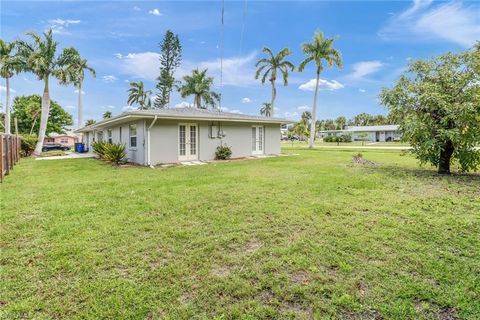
{"x":221,"y":57}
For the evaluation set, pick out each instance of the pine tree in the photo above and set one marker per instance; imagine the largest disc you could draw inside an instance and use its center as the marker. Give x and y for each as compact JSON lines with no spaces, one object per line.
{"x":171,"y":56}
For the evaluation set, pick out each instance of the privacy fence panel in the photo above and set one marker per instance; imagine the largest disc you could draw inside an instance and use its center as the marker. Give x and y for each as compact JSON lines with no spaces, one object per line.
{"x":9,"y":153}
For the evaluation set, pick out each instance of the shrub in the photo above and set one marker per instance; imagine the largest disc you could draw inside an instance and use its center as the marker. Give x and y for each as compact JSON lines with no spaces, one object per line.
{"x":28,"y":142}
{"x":114,"y":152}
{"x":328,"y":138}
{"x":223,"y":152}
{"x":99,"y":148}
{"x":346,"y":138}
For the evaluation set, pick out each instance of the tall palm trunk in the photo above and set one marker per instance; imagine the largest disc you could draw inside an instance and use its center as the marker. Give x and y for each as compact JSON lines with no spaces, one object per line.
{"x":197,"y":103}
{"x":7,"y":107}
{"x":314,"y":114}
{"x":43,"y":118}
{"x":80,"y":105}
{"x":274,"y":95}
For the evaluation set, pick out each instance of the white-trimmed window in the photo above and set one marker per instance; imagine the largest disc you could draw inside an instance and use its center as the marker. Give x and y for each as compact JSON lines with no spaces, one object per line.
{"x":109,"y":136}
{"x":100,"y":136}
{"x":133,"y":136}
{"x":120,"y":134}
{"x":63,"y":140}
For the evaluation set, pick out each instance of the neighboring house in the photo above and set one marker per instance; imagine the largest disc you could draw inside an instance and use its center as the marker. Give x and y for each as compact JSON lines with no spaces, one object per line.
{"x":285,"y":129}
{"x":186,"y":134}
{"x":68,"y":139}
{"x":367,"y":133}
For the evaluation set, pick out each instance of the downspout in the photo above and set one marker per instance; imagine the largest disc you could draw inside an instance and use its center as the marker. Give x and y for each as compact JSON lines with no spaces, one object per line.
{"x":148,"y":141}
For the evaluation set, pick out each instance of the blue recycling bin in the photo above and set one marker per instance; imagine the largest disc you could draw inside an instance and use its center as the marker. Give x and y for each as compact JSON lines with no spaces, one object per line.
{"x":79,"y":147}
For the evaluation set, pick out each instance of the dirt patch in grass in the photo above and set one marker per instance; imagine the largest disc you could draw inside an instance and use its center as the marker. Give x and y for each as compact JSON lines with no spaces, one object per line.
{"x":427,"y":309}
{"x":222,"y":271}
{"x":299,"y":311}
{"x":252,"y":246}
{"x":267,"y":296}
{"x":362,"y":288}
{"x":366,"y":315}
{"x":300,"y":277}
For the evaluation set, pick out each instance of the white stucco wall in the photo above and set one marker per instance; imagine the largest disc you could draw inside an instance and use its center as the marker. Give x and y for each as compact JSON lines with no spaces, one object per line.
{"x":238,"y":136}
{"x":164,"y":139}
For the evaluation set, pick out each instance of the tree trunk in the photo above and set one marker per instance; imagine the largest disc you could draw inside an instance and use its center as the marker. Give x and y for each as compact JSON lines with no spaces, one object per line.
{"x":197,"y":102}
{"x":314,"y":114}
{"x":80,"y":105}
{"x":274,"y":95}
{"x":43,"y":118}
{"x":7,"y":107}
{"x":445,"y":157}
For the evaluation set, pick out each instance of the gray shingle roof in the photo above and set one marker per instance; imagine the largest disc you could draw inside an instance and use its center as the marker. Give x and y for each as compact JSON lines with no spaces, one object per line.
{"x":186,"y":114}
{"x":390,"y":127}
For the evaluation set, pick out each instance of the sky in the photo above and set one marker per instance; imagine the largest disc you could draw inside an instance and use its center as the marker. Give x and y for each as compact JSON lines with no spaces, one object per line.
{"x":120,"y":40}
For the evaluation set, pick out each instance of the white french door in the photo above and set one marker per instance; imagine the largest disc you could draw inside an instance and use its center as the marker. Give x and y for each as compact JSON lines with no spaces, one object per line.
{"x":187,"y":141}
{"x":257,"y":140}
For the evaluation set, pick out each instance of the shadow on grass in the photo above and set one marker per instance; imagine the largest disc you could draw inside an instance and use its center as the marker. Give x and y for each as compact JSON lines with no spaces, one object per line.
{"x":427,"y":174}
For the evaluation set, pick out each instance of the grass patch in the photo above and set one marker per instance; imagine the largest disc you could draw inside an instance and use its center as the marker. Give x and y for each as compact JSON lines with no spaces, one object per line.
{"x":311,"y":235}
{"x":53,"y":153}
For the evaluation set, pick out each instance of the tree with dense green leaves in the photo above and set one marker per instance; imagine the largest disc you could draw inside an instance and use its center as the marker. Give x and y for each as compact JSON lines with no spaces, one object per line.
{"x":89,"y":122}
{"x":74,"y":72}
{"x":341,"y":122}
{"x":319,"y":50}
{"x":170,"y":58}
{"x":39,"y":56}
{"x":9,"y":65}
{"x":199,"y":85}
{"x":27,"y":110}
{"x":271,"y":65}
{"x":266,"y":109}
{"x":436,"y":102}
{"x":107,"y":115}
{"x":138,"y":94}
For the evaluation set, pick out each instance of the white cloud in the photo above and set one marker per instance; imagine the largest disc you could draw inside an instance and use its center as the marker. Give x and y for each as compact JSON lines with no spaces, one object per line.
{"x":291,"y":115}
{"x":109,"y":107}
{"x":183,"y":104}
{"x":323,"y":84}
{"x":364,"y":68}
{"x":453,"y":21}
{"x":362,"y":90}
{"x":135,"y":8}
{"x":59,"y":26}
{"x":246,"y":100}
{"x":118,"y":55}
{"x":4,"y":89}
{"x":70,"y":107}
{"x":128,"y":108}
{"x":76,"y":91}
{"x":155,"y":12}
{"x":301,"y":108}
{"x":109,"y":78}
{"x":237,"y":71}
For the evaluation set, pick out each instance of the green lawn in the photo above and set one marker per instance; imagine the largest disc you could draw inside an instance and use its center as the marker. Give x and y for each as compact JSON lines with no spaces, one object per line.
{"x":304,"y":144}
{"x":304,"y":236}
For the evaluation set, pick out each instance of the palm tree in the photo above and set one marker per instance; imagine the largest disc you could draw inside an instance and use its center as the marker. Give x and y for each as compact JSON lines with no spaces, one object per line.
{"x":271,"y":65}
{"x":107,"y":114}
{"x":9,"y":65}
{"x":198,"y":85}
{"x":137,"y":94}
{"x":75,"y":73}
{"x":318,"y":50}
{"x":39,"y":57}
{"x":266,"y":109}
{"x":89,"y":122}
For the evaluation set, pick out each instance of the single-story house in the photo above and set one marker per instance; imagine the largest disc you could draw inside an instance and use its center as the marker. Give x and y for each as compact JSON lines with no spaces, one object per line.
{"x":186,"y":134}
{"x":367,"y":133}
{"x":68,"y":139}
